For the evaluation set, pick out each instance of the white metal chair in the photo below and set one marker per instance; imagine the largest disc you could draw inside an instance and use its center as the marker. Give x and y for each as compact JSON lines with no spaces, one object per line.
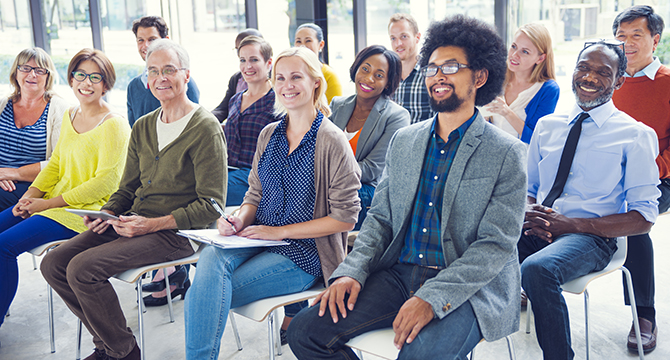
{"x":135,"y":276}
{"x":578,"y":286}
{"x":267,"y":308}
{"x":39,"y":251}
{"x":380,"y":343}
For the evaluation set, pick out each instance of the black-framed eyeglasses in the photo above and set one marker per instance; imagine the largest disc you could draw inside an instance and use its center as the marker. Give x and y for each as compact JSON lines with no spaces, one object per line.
{"x":81,"y":76}
{"x":28,"y":68}
{"x":609,"y":42}
{"x":448,"y":68}
{"x":166,"y":71}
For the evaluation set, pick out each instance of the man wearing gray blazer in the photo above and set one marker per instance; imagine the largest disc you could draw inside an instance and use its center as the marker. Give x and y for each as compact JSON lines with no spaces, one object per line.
{"x":436,"y":257}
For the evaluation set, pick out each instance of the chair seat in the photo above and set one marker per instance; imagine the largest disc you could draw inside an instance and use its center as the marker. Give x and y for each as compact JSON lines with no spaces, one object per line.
{"x":260,"y":309}
{"x":578,"y":285}
{"x":131,"y":275}
{"x":376,"y":342}
{"x":38,"y":251}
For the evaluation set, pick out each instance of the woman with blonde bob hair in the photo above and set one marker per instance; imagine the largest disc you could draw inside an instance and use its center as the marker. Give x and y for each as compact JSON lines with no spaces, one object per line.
{"x":302,"y":189}
{"x":30,"y":121}
{"x":530,"y":91}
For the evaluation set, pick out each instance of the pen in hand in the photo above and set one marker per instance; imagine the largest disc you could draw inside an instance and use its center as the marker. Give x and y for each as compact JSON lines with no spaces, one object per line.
{"x":223,"y":214}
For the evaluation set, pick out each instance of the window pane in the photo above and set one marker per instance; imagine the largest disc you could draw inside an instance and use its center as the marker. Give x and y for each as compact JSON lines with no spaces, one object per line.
{"x":17,"y":35}
{"x":341,"y":51}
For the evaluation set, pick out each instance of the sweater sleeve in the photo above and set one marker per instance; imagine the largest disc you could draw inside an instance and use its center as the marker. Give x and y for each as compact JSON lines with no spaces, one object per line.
{"x":543,"y":103}
{"x":111,"y":150}
{"x":334,"y":88}
{"x":122,"y":200}
{"x":221,"y":111}
{"x":48,"y":177}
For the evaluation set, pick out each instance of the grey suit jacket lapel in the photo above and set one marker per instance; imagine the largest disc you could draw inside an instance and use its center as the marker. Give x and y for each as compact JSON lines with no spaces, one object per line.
{"x":465,"y":150}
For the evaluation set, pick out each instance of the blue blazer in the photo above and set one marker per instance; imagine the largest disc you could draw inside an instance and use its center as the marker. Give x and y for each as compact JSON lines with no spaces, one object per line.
{"x":543,"y":103}
{"x":385,"y":118}
{"x":483,"y":207}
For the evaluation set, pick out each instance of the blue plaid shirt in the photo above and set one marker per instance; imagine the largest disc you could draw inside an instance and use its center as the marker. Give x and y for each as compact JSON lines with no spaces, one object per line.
{"x":413,"y":96}
{"x":423,"y":245}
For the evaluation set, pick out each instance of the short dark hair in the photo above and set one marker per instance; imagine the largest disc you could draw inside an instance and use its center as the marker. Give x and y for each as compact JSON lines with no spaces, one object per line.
{"x":151,"y":21}
{"x":395,"y":66}
{"x":100,"y":59}
{"x":622,"y":63}
{"x":654,"y":21}
{"x":244,"y":33}
{"x":483,"y":48}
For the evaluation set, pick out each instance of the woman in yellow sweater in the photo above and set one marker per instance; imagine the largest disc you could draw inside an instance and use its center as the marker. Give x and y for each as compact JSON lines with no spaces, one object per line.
{"x":310,"y":36}
{"x":84,"y":170}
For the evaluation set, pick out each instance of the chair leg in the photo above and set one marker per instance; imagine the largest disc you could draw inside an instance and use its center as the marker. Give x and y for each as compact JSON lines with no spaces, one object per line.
{"x":50,"y":303}
{"x":140,"y":315}
{"x":528,"y":311}
{"x":586,"y":321}
{"x":168,"y":293}
{"x":271,"y":335}
{"x":510,"y":347}
{"x":34,"y":263}
{"x":633,"y":307}
{"x":79,"y":326}
{"x":231,"y":316}
{"x":277,"y":334}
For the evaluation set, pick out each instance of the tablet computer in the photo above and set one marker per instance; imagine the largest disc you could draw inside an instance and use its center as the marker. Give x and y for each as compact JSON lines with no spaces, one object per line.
{"x":93,"y":214}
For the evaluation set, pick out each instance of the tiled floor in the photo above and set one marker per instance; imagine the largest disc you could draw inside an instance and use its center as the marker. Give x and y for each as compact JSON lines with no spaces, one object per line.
{"x":24,"y":335}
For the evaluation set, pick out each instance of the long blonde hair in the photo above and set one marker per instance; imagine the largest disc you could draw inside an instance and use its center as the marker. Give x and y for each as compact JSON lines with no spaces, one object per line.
{"x":539,"y":36}
{"x":313,"y":69}
{"x":43,"y":60}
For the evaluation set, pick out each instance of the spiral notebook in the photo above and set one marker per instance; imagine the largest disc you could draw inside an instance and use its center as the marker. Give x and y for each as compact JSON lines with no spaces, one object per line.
{"x":212,"y":237}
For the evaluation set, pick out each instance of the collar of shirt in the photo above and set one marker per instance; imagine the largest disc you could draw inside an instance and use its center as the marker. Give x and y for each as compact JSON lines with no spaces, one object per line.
{"x":461,"y":129}
{"x":599,"y":114}
{"x":261,"y":105}
{"x":649,"y":70}
{"x":145,"y":78}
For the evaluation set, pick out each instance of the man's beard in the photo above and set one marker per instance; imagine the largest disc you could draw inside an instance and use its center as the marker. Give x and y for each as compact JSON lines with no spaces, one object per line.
{"x":603,"y":98}
{"x":450,"y":104}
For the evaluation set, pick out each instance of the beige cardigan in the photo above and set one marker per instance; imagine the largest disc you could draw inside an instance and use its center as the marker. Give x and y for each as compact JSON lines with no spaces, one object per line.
{"x":57,"y":109}
{"x":336,"y":180}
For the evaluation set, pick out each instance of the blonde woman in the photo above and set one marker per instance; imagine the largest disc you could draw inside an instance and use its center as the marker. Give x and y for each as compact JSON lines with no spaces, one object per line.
{"x":530,"y":90}
{"x":302,"y":189}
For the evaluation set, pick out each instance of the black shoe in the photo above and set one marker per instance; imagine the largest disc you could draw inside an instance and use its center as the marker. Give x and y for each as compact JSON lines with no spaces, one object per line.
{"x":282,"y":337}
{"x":149,"y":300}
{"x":176,"y":278}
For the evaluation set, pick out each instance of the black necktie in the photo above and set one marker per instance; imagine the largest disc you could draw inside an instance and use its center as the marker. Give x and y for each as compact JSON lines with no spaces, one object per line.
{"x":566,"y":161}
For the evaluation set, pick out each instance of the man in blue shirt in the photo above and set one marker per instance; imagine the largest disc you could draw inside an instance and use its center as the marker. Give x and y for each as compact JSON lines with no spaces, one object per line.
{"x":140,"y":99}
{"x":579,"y":184}
{"x":436,"y":256}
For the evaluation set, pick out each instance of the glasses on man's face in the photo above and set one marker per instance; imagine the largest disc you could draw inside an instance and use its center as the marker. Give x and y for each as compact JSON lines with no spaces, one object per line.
{"x":28,"y":68}
{"x":166,"y":71}
{"x":81,"y":76}
{"x":609,"y":42}
{"x":448,"y":68}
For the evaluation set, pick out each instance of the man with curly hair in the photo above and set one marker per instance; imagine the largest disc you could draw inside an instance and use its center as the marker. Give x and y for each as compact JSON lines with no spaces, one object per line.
{"x":436,"y":257}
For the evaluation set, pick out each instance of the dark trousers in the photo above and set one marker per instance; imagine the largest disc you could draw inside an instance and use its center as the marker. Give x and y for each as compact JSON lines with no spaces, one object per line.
{"x":640,"y":258}
{"x":9,"y":199}
{"x":452,"y":337}
{"x":79,"y":271}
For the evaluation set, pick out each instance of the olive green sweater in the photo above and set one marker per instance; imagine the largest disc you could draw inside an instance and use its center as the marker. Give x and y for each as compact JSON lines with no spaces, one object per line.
{"x":178,"y":180}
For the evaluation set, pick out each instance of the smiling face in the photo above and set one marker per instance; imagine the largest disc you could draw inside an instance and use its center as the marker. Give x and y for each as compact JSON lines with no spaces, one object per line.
{"x":639,"y":43}
{"x":145,"y":35}
{"x":252,"y":66}
{"x":30,"y":82}
{"x":523,"y":55}
{"x":449,"y":92}
{"x":167,"y":87}
{"x":372,"y":77}
{"x":403,"y":40}
{"x":86,"y":91}
{"x":293,"y":85}
{"x":595,"y":77}
{"x":307,"y":37}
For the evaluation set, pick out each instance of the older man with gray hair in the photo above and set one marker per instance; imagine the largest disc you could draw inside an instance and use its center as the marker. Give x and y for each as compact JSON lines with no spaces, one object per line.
{"x":176,"y":163}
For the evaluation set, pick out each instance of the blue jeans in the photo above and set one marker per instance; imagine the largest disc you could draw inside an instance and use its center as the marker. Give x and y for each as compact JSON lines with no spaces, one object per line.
{"x":365,"y":193}
{"x":452,"y":337}
{"x":238,"y":184}
{"x":229,"y":278}
{"x":16,"y":237}
{"x":544,"y":268}
{"x":9,"y":199}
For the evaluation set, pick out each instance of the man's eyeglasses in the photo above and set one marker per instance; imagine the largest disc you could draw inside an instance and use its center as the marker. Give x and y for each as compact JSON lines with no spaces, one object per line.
{"x":448,"y":68}
{"x":28,"y":68}
{"x":166,"y":71}
{"x":81,"y":76}
{"x":609,"y":42}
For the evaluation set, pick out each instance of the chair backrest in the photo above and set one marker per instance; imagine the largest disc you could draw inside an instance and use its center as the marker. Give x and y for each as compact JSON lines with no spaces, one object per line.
{"x":376,"y":342}
{"x":260,"y":309}
{"x":578,"y":285}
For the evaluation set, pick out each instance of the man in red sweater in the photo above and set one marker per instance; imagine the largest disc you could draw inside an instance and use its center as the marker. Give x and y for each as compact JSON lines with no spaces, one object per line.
{"x":645,"y":95}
